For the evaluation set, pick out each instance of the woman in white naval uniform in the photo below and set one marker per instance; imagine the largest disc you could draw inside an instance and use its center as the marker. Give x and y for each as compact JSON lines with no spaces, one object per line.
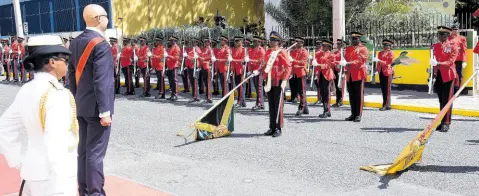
{"x":46,"y":112}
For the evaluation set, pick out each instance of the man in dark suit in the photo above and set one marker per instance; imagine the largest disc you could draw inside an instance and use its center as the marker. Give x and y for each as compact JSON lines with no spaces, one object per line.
{"x":92,"y":84}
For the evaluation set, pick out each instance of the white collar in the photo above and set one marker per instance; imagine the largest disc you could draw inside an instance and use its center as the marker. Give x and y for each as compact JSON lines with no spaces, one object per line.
{"x":45,"y":76}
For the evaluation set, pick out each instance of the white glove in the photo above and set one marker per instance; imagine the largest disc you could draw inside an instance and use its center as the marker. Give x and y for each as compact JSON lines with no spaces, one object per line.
{"x":135,"y":58}
{"x":213,"y":59}
{"x":310,"y":57}
{"x":433,"y":62}
{"x":255,"y":72}
{"x":149,"y":54}
{"x":246,"y":59}
{"x":283,"y":84}
{"x":165,"y":54}
{"x":464,"y":65}
{"x":11,"y":51}
{"x":19,"y":52}
{"x":195,"y":56}
{"x":343,"y":63}
{"x":184,"y":54}
{"x":230,"y":58}
{"x":315,"y":63}
{"x":291,"y":59}
{"x":376,"y":59}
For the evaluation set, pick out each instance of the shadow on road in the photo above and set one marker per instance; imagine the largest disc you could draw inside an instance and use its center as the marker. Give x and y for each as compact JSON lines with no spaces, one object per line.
{"x":388,"y":129}
{"x":472,"y":142}
{"x":445,"y":169}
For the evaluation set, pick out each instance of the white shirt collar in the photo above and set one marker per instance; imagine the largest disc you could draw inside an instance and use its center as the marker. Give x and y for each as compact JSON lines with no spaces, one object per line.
{"x":45,"y":76}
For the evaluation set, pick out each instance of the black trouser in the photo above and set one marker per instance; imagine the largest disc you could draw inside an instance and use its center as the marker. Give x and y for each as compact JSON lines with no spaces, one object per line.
{"x":173,"y":81}
{"x":185,"y":77}
{"x":317,"y":83}
{"x":137,"y":77}
{"x":293,"y":86}
{"x":193,"y":82}
{"x":201,"y":86}
{"x":385,"y":83}
{"x":273,"y":102}
{"x":6,"y":67}
{"x":444,"y":91}
{"x":117,"y":81}
{"x":127,"y":73}
{"x":231,"y":82}
{"x":216,"y":86}
{"x":224,"y":83}
{"x":459,"y":75}
{"x":14,"y":67}
{"x":301,"y":91}
{"x":161,"y":82}
{"x":145,"y":73}
{"x":23,"y":73}
{"x":241,"y":89}
{"x":339,"y":91}
{"x":356,"y":96}
{"x":205,"y":80}
{"x":248,"y":88}
{"x":325,"y":86}
{"x":258,"y":85}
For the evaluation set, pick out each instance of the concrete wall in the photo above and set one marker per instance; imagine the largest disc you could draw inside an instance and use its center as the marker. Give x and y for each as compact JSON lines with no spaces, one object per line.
{"x":180,"y":12}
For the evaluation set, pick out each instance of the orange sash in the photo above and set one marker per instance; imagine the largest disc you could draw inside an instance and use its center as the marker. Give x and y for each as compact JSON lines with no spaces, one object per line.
{"x":84,"y":57}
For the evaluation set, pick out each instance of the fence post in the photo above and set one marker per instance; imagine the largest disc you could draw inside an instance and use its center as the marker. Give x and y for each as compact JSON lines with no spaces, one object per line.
{"x":52,"y":19}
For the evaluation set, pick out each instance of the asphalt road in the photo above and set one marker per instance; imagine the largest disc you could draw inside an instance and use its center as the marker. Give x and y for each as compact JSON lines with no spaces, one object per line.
{"x":313,"y":157}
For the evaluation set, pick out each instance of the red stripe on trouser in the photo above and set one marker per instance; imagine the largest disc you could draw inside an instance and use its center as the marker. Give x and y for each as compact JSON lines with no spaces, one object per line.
{"x":343,"y":83}
{"x":15,"y":74}
{"x":260,"y":90}
{"x":329,"y":96}
{"x":303,"y":96}
{"x":318,"y":89}
{"x":129,"y":79}
{"x":175,"y":80}
{"x":144,"y":80}
{"x":240,"y":91}
{"x":281,"y":112}
{"x":208,"y":85}
{"x":162,"y":80}
{"x":388,"y":91}
{"x":448,"y":114}
{"x":8,"y":70}
{"x":225,"y":88}
{"x":362,"y":99}
{"x":194,"y":86}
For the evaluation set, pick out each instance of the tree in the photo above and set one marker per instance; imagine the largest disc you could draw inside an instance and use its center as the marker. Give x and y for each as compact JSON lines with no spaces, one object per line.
{"x":468,"y":6}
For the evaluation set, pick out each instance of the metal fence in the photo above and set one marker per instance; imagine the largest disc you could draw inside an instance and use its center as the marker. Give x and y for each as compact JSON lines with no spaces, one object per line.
{"x":48,"y":16}
{"x":410,"y":32}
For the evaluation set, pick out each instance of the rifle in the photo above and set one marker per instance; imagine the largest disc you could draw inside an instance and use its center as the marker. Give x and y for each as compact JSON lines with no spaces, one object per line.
{"x":341,"y":68}
{"x":245,"y":67}
{"x":148,"y":62}
{"x":373,"y":64}
{"x":195,"y":64}
{"x":164,"y":62}
{"x":182,"y":60}
{"x":135,"y":59}
{"x":212,"y":56}
{"x":229,"y":65}
{"x":313,"y":58}
{"x":118,"y":54}
{"x":431,"y":71}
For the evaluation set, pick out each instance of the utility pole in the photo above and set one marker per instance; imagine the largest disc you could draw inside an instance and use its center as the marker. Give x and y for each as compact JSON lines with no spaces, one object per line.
{"x":18,"y":18}
{"x":339,"y":26}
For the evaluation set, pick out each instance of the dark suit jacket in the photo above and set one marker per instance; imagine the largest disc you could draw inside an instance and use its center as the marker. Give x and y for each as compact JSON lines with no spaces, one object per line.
{"x":95,"y":91}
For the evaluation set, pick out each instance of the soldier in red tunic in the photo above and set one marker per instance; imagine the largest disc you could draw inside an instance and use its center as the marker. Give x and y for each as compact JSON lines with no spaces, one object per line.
{"x":143,"y":65}
{"x":222,"y":58}
{"x":319,"y":53}
{"x":461,"y":42}
{"x":206,"y":60}
{"x":325,"y":64}
{"x":299,"y":62}
{"x":6,"y":60}
{"x":476,"y":49}
{"x":192,"y":61}
{"x":172,"y":62}
{"x":355,"y":56}
{"x":249,"y":47}
{"x":114,"y":52}
{"x":279,"y":73}
{"x":384,"y":62}
{"x":446,"y":53}
{"x":256,"y":61}
{"x":157,"y":63}
{"x":339,"y":87}
{"x":126,"y":63}
{"x":293,"y":82}
{"x":238,"y":55}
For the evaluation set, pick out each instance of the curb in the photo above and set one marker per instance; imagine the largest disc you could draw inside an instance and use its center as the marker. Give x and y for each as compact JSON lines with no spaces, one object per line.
{"x":411,"y":108}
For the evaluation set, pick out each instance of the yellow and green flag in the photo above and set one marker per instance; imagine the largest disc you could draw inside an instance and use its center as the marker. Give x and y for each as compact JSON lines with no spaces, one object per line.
{"x":218,"y":120}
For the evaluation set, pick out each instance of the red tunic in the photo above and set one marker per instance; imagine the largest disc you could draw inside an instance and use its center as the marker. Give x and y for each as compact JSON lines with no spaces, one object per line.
{"x":205,"y":60}
{"x":384,"y":65}
{"x":190,"y":58}
{"x":114,"y":52}
{"x":446,"y":53}
{"x":143,"y":56}
{"x":337,"y":58}
{"x":300,"y":61}
{"x":281,"y":67}
{"x":476,"y":49}
{"x":318,"y":55}
{"x":461,"y":42}
{"x":256,"y":56}
{"x":238,"y":58}
{"x":356,"y":56}
{"x":6,"y":52}
{"x":157,"y":58}
{"x":173,"y":57}
{"x":222,"y":58}
{"x":327,"y":58}
{"x":215,"y":52}
{"x":126,"y":56}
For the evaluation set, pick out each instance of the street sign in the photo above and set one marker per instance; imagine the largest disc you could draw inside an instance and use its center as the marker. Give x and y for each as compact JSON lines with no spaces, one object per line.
{"x":25,"y":28}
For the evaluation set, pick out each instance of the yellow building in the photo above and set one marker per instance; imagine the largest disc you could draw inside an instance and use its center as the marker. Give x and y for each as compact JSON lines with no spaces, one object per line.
{"x":141,"y":15}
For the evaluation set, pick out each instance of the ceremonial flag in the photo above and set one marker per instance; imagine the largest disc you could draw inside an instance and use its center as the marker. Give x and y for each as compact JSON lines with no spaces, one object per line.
{"x":218,"y":121}
{"x":413,"y":151}
{"x":404,"y":59}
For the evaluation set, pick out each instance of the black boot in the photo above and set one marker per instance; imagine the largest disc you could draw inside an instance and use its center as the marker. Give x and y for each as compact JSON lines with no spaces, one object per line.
{"x":357,"y":119}
{"x":382,"y":109}
{"x":269,"y":132}
{"x":277,"y":132}
{"x":445,"y":128}
{"x":326,"y":113}
{"x":350,"y":118}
